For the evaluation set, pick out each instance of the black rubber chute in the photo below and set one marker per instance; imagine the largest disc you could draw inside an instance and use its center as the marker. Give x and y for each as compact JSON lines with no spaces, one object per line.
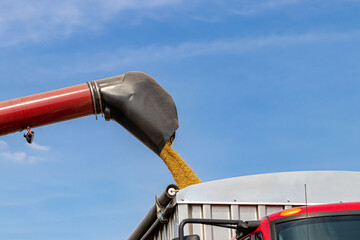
{"x":137,"y":102}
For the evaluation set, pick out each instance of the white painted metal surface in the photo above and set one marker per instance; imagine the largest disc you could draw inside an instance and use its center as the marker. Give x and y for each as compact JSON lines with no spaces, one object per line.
{"x":256,"y":196}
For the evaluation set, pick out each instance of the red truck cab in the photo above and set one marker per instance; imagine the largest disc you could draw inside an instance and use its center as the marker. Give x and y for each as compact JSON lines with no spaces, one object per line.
{"x":328,"y":221}
{"x":337,"y":221}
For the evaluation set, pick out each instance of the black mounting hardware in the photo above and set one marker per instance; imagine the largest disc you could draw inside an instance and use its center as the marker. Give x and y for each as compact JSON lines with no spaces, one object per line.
{"x":242,"y":227}
{"x":29,"y":136}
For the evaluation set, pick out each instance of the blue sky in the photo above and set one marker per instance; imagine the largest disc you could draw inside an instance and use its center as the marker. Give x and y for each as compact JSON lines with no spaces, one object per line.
{"x":260,"y":86}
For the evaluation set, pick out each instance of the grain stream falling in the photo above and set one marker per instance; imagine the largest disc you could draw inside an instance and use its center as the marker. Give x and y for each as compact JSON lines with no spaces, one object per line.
{"x":182,"y":173}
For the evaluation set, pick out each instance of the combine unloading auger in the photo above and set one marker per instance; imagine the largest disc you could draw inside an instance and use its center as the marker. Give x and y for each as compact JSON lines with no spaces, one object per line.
{"x":134,"y":100}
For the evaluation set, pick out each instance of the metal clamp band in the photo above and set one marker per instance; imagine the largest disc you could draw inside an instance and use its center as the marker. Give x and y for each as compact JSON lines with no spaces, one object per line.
{"x":96,"y":97}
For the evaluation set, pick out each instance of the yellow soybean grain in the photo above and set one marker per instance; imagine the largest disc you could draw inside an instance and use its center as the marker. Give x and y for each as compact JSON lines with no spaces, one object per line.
{"x":182,"y":173}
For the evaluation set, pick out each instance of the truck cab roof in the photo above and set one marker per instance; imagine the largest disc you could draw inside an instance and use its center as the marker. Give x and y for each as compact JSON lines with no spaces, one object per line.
{"x":323,"y":209}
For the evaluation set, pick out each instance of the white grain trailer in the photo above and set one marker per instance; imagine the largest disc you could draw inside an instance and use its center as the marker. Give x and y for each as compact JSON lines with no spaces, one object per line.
{"x":246,"y":198}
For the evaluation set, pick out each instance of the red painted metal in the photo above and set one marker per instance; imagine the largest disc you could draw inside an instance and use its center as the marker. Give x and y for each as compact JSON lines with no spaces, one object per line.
{"x":322,"y":208}
{"x":45,"y":108}
{"x":264,"y":227}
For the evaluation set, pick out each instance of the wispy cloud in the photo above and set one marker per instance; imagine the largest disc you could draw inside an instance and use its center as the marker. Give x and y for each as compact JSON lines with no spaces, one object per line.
{"x":153,"y":53}
{"x":39,"y":147}
{"x":251,"y":8}
{"x":23,"y":21}
{"x":20,"y":157}
{"x":38,"y":199}
{"x":3,"y":144}
{"x":16,"y":156}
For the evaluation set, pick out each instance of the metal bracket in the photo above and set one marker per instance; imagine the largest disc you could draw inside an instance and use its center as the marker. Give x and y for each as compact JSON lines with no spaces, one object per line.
{"x":160,"y":210}
{"x":107,"y":114}
{"x":29,"y":136}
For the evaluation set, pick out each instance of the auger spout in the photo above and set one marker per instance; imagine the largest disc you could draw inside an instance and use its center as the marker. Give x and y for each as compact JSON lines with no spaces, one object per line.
{"x":134,"y":100}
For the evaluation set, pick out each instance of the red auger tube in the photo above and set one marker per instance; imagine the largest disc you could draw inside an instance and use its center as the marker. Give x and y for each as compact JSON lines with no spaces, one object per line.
{"x":45,"y":108}
{"x":134,"y":100}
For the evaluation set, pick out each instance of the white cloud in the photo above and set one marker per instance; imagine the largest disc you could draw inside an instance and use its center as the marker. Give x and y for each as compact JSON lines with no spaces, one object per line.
{"x":23,"y":21}
{"x":19,"y":157}
{"x":34,"y":159}
{"x":36,"y":146}
{"x":135,"y":56}
{"x":25,"y":201}
{"x":3,"y":144}
{"x":250,"y":8}
{"x":16,"y":156}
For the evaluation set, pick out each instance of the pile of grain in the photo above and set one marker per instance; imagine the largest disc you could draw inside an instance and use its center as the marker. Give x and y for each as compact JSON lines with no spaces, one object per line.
{"x":182,"y":173}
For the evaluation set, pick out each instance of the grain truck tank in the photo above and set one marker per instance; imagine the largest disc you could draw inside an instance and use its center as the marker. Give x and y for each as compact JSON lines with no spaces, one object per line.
{"x":246,"y":201}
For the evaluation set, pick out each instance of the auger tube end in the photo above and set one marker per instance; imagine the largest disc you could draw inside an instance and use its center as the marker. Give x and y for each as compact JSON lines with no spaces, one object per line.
{"x":137,"y":102}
